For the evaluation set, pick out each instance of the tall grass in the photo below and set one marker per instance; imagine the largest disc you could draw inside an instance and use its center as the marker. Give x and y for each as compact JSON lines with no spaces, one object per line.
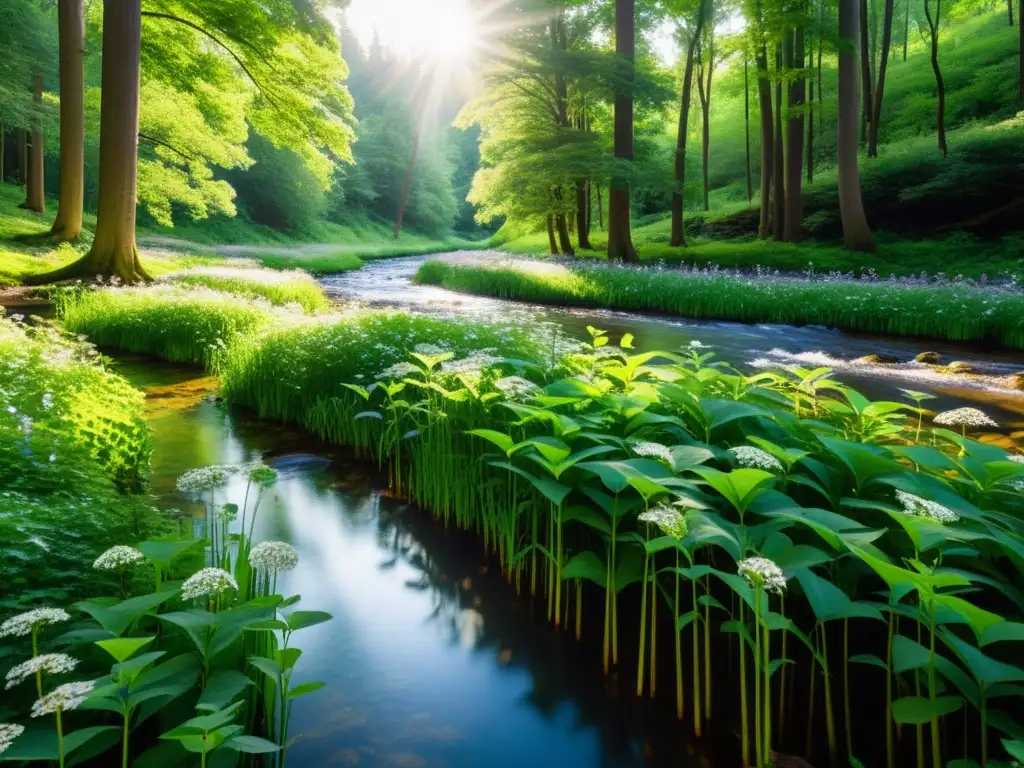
{"x":956,"y":311}
{"x":278,"y":287}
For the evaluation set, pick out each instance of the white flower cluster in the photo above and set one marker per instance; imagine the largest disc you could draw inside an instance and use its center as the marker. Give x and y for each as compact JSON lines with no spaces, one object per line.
{"x":918,"y":507}
{"x":749,"y":456}
{"x":116,"y":558}
{"x":399,"y":371}
{"x":209,"y":581}
{"x":474,"y":364}
{"x":695,"y":344}
{"x":516,"y":387}
{"x":8,"y":733}
{"x":205,"y":478}
{"x":49,"y":663}
{"x":762,"y":572}
{"x":228,"y":513}
{"x":429,"y":349}
{"x":262,"y":475}
{"x":64,"y":698}
{"x":669,"y":519}
{"x":274,"y":556}
{"x":968,"y":417}
{"x":1017,"y":457}
{"x":651,"y":450}
{"x":24,"y":623}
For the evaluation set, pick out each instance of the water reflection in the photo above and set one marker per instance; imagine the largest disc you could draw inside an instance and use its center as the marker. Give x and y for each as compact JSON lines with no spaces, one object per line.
{"x":432,"y":660}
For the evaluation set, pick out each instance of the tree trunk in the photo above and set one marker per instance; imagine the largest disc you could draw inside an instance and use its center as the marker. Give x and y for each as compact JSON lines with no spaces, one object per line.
{"x":704,"y":92}
{"x":407,"y":184}
{"x":940,"y":116}
{"x":22,"y":150}
{"x":746,"y":125}
{"x":552,"y":243}
{"x":582,"y":219}
{"x":880,"y":85}
{"x":778,"y":157}
{"x":600,"y":208}
{"x":3,"y":149}
{"x":810,"y":115}
{"x":856,"y":234}
{"x":795,"y":150}
{"x":1020,"y":48}
{"x":114,"y":251}
{"x":764,"y":92}
{"x":35,"y":197}
{"x":906,"y":27}
{"x":678,"y":237}
{"x":71,"y":27}
{"x":620,"y":240}
{"x":1009,"y":11}
{"x":562,"y":227}
{"x":865,"y":68}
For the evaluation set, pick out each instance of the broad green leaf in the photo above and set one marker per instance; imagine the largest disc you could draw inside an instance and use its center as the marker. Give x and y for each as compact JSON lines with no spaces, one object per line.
{"x":122,"y":648}
{"x":268,"y":667}
{"x":197,"y":623}
{"x":303,"y":619}
{"x":502,"y":441}
{"x":163,"y":553}
{"x":868,"y":658}
{"x":977,"y":618}
{"x":829,"y":602}
{"x":738,"y":487}
{"x":1002,"y":632}
{"x":221,"y":688}
{"x":985,"y":669}
{"x":305,"y":688}
{"x":586,"y":565}
{"x":908,"y":654}
{"x":554,"y":491}
{"x":253,"y":745}
{"x":917,"y":710}
{"x":116,"y":619}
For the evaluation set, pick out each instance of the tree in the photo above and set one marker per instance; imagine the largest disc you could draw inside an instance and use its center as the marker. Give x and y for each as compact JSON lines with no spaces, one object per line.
{"x":778,"y":155}
{"x":876,"y":110}
{"x":35,"y":197}
{"x":71,"y":26}
{"x":865,"y":69}
{"x":620,"y":241}
{"x":794,"y":42}
{"x":746,"y":123}
{"x":810,"y":106}
{"x":764,"y":93}
{"x":856,"y":234}
{"x":706,"y":47}
{"x":678,"y":238}
{"x":940,"y":87}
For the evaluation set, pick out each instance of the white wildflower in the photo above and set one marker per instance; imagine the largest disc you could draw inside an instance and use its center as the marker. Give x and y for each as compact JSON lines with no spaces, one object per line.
{"x":762,"y":572}
{"x":47,"y":663}
{"x":749,"y":456}
{"x":262,"y":476}
{"x":205,"y":478}
{"x":473,"y":364}
{"x":669,"y":519}
{"x":228,"y":513}
{"x":26,"y":623}
{"x":64,"y":698}
{"x":209,"y":581}
{"x":274,"y":556}
{"x":516,"y":387}
{"x":967,"y":417}
{"x":117,"y":558}
{"x":8,"y":733}
{"x":651,"y":450}
{"x":429,"y":349}
{"x":1017,"y":457}
{"x":695,"y":344}
{"x":399,"y":371}
{"x":918,"y":507}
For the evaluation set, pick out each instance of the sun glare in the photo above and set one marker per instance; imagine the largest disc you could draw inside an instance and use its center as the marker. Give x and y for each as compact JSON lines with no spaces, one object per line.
{"x":447,"y":31}
{"x":454,"y":34}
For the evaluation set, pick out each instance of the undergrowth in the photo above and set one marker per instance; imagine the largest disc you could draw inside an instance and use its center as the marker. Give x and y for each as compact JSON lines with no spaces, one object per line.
{"x":280,"y":288}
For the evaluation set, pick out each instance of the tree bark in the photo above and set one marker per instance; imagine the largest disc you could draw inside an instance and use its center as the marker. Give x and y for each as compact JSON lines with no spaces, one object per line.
{"x":562,"y":227}
{"x":620,"y":240}
{"x":3,"y":148}
{"x":746,"y":125}
{"x":552,"y":243}
{"x":764,"y":92}
{"x":1009,"y":11}
{"x":582,"y":217}
{"x":940,"y":87}
{"x":794,"y":152}
{"x":114,"y":251}
{"x":600,"y":208}
{"x":1020,"y":48}
{"x":22,"y":151}
{"x":704,"y":93}
{"x":856,"y":234}
{"x":71,"y":30}
{"x":865,"y":67}
{"x":778,"y":157}
{"x":35,"y":197}
{"x":678,"y":237}
{"x":906,"y":27}
{"x":407,"y":184}
{"x":810,"y":114}
{"x":880,"y":85}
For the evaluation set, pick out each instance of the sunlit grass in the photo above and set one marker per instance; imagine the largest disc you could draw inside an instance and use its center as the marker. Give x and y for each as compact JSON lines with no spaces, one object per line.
{"x":278,"y":287}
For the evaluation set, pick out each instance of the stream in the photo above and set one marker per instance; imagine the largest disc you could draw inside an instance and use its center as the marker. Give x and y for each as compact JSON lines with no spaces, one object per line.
{"x":432,"y":660}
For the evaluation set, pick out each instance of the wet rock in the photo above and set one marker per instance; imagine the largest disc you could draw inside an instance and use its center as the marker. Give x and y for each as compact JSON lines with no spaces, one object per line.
{"x":959,"y":366}
{"x":1016,"y":381}
{"x":928,"y":358}
{"x":874,"y":359}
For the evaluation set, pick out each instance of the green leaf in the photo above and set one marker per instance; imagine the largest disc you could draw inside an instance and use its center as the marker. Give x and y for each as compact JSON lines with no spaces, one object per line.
{"x":987,"y":670}
{"x":305,"y":688}
{"x":197,"y":623}
{"x":977,"y":618}
{"x":252,"y":745}
{"x":829,"y":602}
{"x":117,"y":618}
{"x":908,"y":654}
{"x":1002,"y":632}
{"x":738,"y":487}
{"x":868,"y":658}
{"x":554,"y":491}
{"x":268,"y":667}
{"x":122,"y":648}
{"x":504,"y":442}
{"x":586,"y":565}
{"x":917,"y":710}
{"x":221,"y":688}
{"x":303,"y":619}
{"x":163,"y":553}
{"x":1014,"y":749}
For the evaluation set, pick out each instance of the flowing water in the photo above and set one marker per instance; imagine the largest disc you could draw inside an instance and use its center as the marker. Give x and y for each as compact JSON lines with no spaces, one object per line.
{"x":389,"y":283}
{"x":432,"y":660}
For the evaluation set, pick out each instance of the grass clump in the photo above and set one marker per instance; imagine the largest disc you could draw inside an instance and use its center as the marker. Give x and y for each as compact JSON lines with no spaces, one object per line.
{"x":952,"y":310}
{"x":177,"y":323}
{"x":280,"y":288}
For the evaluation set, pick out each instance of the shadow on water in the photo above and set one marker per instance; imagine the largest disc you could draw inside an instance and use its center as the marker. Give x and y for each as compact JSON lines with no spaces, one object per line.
{"x":432,"y":659}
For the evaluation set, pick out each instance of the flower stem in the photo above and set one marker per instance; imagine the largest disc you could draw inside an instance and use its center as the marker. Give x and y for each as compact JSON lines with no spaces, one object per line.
{"x":936,"y":748}
{"x":60,"y":739}
{"x":744,"y":722}
{"x":758,"y":701}
{"x":124,"y":743}
{"x":680,"y":706}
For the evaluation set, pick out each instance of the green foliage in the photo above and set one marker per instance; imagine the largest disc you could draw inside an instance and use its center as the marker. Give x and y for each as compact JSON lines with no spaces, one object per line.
{"x":944,"y":310}
{"x":279,"y":288}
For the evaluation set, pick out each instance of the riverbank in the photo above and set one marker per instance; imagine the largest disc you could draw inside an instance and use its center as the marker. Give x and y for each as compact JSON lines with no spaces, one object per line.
{"x":940,"y":309}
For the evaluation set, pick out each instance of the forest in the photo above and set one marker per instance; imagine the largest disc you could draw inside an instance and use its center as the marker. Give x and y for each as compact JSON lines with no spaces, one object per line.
{"x":414,"y":383}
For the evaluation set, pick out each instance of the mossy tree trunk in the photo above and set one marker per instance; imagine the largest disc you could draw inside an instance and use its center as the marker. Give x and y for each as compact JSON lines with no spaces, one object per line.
{"x":552,"y":243}
{"x":856,"y":234}
{"x":620,"y":239}
{"x":678,"y":238}
{"x":795,"y":135}
{"x":114,"y":251}
{"x":35,"y":197}
{"x":71,"y":25}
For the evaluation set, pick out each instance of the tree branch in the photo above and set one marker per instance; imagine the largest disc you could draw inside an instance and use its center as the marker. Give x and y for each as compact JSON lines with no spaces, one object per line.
{"x":197,"y":28}
{"x":151,"y":140}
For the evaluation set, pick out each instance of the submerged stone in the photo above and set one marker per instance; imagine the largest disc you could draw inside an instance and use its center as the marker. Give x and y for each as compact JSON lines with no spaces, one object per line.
{"x":959,"y":366}
{"x":928,"y":358}
{"x":876,"y":359}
